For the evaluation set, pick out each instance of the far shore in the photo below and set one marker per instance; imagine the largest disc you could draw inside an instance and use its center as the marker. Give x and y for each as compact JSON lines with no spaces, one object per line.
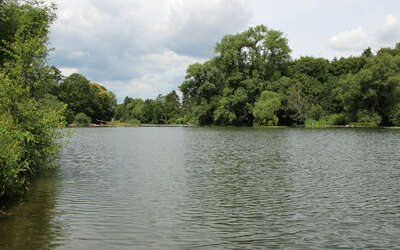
{"x":111,"y":125}
{"x":116,"y":125}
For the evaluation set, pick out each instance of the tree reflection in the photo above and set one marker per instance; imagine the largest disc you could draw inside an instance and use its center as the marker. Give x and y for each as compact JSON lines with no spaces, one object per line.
{"x":30,"y":225}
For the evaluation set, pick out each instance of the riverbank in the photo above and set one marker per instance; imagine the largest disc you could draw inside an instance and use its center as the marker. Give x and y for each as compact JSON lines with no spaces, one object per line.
{"x":118,"y":124}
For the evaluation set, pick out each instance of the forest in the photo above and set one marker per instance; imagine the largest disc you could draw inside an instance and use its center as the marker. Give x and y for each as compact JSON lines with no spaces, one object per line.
{"x":251,"y":81}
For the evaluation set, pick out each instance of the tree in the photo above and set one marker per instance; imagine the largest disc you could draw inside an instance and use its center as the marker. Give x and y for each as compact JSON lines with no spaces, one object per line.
{"x":266,"y":108}
{"x":172,"y":106}
{"x":297,"y":103}
{"x":82,"y":96}
{"x":28,"y":124}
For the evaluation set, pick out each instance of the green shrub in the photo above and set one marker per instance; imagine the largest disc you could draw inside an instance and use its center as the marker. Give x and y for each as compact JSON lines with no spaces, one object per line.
{"x":11,"y":152}
{"x":180,"y":121}
{"x":190,"y":119}
{"x":315,"y":112}
{"x":367,"y":119}
{"x":29,"y":126}
{"x":335,"y":119}
{"x":82,"y":119}
{"x":395,"y":115}
{"x":132,"y":121}
{"x":315,"y":124}
{"x":172,"y":121}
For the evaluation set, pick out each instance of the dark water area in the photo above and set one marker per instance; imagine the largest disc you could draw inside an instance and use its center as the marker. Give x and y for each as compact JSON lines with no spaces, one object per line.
{"x":215,"y":188}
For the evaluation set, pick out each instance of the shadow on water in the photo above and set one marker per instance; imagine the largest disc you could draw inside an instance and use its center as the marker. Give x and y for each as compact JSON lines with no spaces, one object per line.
{"x":29,"y":224}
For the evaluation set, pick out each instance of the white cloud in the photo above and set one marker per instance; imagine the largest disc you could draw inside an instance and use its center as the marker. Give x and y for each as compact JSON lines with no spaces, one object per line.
{"x":195,"y":26}
{"x":68,"y":71}
{"x":159,"y":73}
{"x":356,"y":40}
{"x":142,"y":46}
{"x":352,"y":40}
{"x":389,"y":33}
{"x":390,"y":20}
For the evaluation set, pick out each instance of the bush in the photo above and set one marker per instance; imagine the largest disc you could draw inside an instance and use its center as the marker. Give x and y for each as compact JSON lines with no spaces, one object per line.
{"x":172,"y":121}
{"x":315,"y":124}
{"x":365,"y":118}
{"x":190,"y":119}
{"x":11,"y":152}
{"x":132,"y":121}
{"x":179,"y":121}
{"x":395,"y":115}
{"x":29,"y":126}
{"x":82,"y":119}
{"x":315,"y":112}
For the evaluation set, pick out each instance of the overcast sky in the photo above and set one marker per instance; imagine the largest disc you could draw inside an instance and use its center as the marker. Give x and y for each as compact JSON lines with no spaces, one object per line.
{"x":141,"y":48}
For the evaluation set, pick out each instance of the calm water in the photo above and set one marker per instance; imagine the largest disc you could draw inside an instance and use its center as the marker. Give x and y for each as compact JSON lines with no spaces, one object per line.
{"x":215,"y":188}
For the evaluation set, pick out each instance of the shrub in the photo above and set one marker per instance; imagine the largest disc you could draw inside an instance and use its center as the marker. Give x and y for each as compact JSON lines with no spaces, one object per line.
{"x":335,"y":119}
{"x":132,"y":121}
{"x":315,"y":112}
{"x":315,"y":124}
{"x":82,"y":119}
{"x":172,"y":121}
{"x":365,"y":118}
{"x":11,"y":152}
{"x":179,"y":121}
{"x":395,"y":115}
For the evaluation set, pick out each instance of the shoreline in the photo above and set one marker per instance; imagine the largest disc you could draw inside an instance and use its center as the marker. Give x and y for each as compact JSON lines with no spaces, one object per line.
{"x":190,"y":125}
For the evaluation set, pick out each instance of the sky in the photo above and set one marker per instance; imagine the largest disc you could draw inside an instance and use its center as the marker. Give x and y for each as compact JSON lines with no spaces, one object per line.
{"x":142,"y":48}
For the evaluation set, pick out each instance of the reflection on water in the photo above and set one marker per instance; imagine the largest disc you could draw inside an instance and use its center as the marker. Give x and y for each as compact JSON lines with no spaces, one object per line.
{"x":215,"y":188}
{"x":30,"y":224}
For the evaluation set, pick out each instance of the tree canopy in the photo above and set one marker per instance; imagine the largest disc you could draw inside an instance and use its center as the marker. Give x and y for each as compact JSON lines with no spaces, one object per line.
{"x":253,"y":80}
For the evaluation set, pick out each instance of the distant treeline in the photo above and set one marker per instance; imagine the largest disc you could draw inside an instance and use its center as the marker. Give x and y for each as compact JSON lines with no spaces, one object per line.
{"x":252,"y":81}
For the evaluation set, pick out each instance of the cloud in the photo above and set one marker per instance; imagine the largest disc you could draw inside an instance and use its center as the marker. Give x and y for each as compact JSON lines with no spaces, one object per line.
{"x":389,"y":33}
{"x":142,"y":46}
{"x":158,"y":73}
{"x":195,"y":26}
{"x":68,"y":71}
{"x":356,"y":40}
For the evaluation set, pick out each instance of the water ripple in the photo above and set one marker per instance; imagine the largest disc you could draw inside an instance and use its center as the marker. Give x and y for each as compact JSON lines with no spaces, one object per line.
{"x":219,"y":188}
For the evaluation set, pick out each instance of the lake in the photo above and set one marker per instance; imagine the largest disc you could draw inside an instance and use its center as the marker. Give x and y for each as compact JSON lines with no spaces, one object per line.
{"x":215,"y":188}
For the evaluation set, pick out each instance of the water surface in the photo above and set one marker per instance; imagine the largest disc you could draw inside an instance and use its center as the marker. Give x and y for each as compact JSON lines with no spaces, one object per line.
{"x":215,"y":188}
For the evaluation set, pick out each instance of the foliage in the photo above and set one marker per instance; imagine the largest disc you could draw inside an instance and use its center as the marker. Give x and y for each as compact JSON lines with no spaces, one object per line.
{"x":162,"y":110}
{"x":395,"y":115}
{"x":315,"y":124}
{"x":82,"y":96}
{"x":265,"y":109}
{"x":227,"y":89}
{"x":82,"y":119}
{"x":30,"y":116}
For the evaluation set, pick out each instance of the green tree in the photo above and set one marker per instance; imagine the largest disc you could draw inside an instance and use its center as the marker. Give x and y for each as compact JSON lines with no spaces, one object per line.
{"x":82,"y":96}
{"x":266,"y":108}
{"x":172,"y":106}
{"x":297,"y":102}
{"x":82,"y":119}
{"x":28,"y":125}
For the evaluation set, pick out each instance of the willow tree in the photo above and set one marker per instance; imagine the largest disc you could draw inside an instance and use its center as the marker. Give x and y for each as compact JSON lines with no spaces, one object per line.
{"x":224,"y":89}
